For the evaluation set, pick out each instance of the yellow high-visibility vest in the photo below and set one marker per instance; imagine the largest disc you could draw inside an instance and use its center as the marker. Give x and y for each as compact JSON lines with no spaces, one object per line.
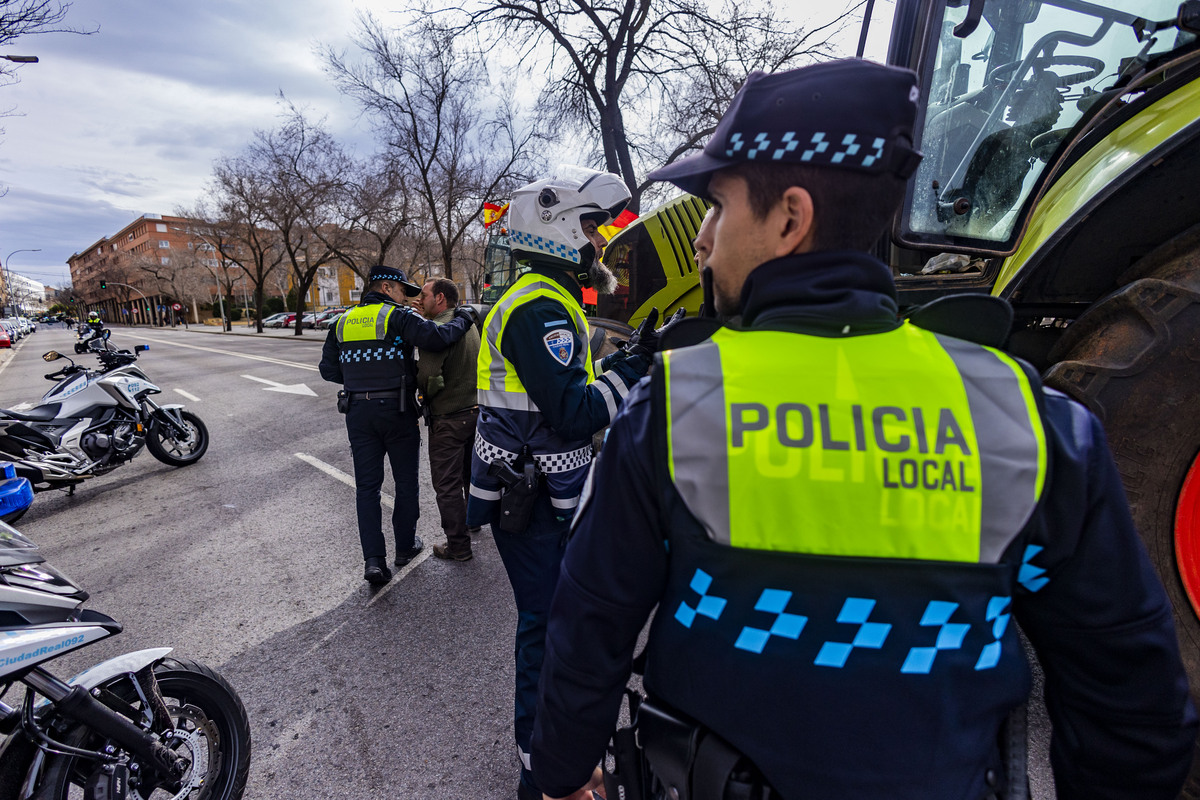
{"x":901,"y":445}
{"x":499,"y":386}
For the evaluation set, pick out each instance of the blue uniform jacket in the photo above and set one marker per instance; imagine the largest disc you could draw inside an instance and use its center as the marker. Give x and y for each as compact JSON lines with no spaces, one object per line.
{"x":1092,"y":608}
{"x":571,"y":408}
{"x":407,"y":329}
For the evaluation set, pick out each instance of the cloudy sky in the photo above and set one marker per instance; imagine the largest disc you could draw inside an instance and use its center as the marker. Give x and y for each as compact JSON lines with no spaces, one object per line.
{"x":129,"y":120}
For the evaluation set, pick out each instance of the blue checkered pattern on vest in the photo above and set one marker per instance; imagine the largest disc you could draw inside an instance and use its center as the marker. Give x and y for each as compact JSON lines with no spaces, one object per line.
{"x":348,"y":356}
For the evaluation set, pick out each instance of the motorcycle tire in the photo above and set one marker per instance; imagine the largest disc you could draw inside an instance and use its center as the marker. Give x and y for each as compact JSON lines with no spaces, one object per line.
{"x":213,"y":733}
{"x":170,"y":450}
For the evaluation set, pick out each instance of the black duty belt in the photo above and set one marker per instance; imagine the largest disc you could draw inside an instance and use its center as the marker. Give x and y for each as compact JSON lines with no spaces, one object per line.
{"x":380,"y":395}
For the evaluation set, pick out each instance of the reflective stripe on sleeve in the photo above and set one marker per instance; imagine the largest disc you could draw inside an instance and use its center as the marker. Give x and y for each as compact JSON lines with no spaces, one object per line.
{"x":606,"y":392}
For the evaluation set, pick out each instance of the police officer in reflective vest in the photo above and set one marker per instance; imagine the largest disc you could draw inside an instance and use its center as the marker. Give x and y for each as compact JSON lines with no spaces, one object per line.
{"x":541,"y":398}
{"x":370,"y":351}
{"x":842,"y":518}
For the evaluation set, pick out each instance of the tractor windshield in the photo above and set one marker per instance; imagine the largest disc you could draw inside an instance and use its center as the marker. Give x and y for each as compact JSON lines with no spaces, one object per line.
{"x":1002,"y":99}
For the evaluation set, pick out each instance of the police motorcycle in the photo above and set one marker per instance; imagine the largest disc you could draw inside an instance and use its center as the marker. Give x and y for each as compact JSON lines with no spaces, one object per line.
{"x":141,"y":726}
{"x":94,"y":420}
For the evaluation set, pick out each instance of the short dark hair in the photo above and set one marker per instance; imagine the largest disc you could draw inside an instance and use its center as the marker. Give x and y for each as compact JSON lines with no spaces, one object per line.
{"x":851,"y":209}
{"x":446,"y":287}
{"x":377,"y":286}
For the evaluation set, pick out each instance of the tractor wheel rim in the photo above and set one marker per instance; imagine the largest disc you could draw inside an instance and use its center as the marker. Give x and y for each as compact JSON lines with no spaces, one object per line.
{"x":1187,"y":535}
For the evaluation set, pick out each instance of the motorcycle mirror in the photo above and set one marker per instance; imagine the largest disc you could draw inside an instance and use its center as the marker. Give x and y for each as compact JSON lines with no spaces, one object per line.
{"x":52,"y":356}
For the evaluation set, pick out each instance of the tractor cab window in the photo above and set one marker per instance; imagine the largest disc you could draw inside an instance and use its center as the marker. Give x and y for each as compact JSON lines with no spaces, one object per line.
{"x":1004,"y":98}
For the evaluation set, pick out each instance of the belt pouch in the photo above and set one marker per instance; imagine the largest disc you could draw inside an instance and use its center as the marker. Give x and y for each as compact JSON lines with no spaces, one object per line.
{"x":343,"y":401}
{"x":670,"y":744}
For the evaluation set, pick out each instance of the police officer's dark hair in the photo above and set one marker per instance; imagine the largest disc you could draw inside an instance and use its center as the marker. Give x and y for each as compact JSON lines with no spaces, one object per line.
{"x":448,"y":288}
{"x":377,"y":286}
{"x":851,"y":209}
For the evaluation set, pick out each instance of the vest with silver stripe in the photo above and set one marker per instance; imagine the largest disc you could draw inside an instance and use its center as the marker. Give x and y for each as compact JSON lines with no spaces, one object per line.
{"x":510,"y":420}
{"x":371,"y":361}
{"x":802,"y":635}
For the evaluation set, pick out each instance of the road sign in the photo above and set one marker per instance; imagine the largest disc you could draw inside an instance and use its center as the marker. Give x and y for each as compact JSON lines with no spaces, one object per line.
{"x":177,"y":307}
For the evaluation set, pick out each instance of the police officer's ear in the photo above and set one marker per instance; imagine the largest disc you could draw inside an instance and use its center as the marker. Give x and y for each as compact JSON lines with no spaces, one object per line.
{"x":796,"y":223}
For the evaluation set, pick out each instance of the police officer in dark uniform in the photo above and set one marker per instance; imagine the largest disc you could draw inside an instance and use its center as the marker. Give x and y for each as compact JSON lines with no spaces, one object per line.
{"x":541,"y":397}
{"x":842,"y":517}
{"x":370,"y":352}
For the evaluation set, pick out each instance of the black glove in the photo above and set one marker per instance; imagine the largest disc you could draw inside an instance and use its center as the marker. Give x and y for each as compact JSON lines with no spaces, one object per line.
{"x":646,"y":339}
{"x":470,"y":314}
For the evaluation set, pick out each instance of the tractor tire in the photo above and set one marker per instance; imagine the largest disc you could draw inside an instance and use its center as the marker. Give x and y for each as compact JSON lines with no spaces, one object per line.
{"x":1134,"y":360}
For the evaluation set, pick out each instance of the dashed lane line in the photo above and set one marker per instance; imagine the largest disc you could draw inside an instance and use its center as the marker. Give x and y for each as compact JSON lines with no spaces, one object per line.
{"x":338,"y":475}
{"x":189,"y":396}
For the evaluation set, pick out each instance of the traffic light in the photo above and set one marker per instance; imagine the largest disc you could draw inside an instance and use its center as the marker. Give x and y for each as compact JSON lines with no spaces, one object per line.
{"x":103,"y":284}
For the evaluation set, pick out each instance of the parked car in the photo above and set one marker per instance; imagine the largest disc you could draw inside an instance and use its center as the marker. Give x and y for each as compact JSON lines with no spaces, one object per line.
{"x":277,"y":320}
{"x":327,"y":322}
{"x":321,"y":316}
{"x":5,"y":339}
{"x":12,"y":328}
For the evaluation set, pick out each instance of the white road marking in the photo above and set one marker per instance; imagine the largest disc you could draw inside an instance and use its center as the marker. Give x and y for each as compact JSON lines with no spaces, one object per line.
{"x":191,"y":397}
{"x":337,"y":474}
{"x":296,"y":364}
{"x":21,"y":406}
{"x":295,"y":388}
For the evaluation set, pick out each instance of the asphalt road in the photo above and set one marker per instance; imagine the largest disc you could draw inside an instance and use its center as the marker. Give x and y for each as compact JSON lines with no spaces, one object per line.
{"x":249,"y":561}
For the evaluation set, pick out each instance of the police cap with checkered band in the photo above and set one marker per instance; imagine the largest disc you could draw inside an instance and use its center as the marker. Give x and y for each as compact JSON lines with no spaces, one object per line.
{"x":848,"y":114}
{"x":381,"y":273}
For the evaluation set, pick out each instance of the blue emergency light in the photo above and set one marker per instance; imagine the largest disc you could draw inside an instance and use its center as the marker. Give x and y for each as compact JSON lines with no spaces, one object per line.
{"x":16,"y":494}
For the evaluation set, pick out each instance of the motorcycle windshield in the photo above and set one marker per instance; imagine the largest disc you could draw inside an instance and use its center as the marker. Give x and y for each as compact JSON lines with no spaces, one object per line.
{"x":15,"y":548}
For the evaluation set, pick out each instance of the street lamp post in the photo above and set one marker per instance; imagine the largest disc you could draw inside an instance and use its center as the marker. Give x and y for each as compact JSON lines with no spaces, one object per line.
{"x":8,"y":259}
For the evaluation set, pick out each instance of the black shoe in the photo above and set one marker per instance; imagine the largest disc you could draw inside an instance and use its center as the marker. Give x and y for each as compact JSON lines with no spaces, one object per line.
{"x":376,"y":572}
{"x":474,"y":530}
{"x":443,"y":551}
{"x":527,"y":792}
{"x":405,"y":556}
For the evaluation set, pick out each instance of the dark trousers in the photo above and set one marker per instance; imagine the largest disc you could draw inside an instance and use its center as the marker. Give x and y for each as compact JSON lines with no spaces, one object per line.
{"x":531,"y":560}
{"x":377,"y":428}
{"x":450,"y":440}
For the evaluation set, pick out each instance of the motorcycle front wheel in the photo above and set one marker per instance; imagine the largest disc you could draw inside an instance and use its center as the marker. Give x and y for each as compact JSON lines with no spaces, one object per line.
{"x":209,"y":728}
{"x":175,"y":445}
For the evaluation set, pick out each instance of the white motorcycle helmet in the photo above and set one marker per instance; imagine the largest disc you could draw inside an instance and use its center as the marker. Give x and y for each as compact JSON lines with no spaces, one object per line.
{"x":546,"y":217}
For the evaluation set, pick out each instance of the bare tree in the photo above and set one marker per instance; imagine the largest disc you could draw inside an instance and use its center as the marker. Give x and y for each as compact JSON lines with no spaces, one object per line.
{"x":304,"y":170}
{"x":611,"y":66}
{"x":425,"y":96}
{"x":183,"y":276}
{"x":230,"y":221}
{"x":373,"y":209}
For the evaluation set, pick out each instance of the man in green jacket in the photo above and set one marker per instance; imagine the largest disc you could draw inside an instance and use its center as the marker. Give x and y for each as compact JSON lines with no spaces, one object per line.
{"x":447,"y":383}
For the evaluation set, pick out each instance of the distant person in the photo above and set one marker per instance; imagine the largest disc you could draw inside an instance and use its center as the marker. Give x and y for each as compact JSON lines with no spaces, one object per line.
{"x":370,"y":352}
{"x":447,"y":383}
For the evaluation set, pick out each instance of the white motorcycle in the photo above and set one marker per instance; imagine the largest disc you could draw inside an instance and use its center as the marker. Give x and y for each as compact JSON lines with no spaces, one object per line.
{"x":93,"y":421}
{"x":141,"y":726}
